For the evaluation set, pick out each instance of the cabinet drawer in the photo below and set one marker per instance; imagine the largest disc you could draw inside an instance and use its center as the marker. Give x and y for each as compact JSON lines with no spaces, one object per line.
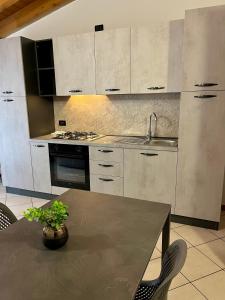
{"x":106,"y":154}
{"x":106,"y":168}
{"x":107,"y":184}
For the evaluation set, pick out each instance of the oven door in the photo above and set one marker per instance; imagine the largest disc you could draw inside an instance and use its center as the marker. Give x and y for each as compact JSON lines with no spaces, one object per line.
{"x":70,"y":170}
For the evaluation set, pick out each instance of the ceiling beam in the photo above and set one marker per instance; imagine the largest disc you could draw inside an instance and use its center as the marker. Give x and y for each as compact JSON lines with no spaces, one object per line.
{"x":29,"y":14}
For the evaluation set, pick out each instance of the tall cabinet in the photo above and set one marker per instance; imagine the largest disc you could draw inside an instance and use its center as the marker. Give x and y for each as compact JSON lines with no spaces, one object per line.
{"x":22,"y":112}
{"x":201,"y":157}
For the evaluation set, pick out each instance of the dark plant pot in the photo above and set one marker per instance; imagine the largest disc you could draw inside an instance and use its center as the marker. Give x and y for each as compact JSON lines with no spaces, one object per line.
{"x":54,"y":239}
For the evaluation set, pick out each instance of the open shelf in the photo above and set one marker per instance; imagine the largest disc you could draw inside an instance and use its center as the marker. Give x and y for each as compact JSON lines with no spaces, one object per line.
{"x":45,"y":68}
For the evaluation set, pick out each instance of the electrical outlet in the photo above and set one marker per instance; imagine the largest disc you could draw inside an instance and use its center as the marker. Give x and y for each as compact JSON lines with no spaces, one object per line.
{"x":62,"y":122}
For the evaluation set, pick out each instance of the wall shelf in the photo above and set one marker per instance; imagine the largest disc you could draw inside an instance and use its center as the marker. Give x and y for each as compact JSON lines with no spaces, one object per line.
{"x":45,"y":68}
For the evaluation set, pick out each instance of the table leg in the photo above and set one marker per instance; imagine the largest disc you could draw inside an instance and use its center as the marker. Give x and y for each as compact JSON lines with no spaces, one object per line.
{"x":166,"y":236}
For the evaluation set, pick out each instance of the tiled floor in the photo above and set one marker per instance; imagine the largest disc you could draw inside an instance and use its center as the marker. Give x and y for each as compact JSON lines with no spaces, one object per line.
{"x":203,"y":275}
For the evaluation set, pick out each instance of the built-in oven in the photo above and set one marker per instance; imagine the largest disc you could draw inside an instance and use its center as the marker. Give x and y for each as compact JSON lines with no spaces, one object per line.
{"x":69,"y":166}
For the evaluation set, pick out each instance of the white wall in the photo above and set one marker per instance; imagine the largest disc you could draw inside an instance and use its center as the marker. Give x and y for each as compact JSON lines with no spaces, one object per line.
{"x":82,"y":15}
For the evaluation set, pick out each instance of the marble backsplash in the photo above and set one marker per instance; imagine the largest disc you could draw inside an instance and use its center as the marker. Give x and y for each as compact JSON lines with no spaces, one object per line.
{"x":119,"y":114}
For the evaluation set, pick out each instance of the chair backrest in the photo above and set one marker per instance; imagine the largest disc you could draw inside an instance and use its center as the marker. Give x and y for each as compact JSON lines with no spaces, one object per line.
{"x":6,"y":217}
{"x":172,"y":264}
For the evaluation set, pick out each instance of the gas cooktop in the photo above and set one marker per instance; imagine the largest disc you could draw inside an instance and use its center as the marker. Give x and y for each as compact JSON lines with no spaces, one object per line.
{"x":77,"y":135}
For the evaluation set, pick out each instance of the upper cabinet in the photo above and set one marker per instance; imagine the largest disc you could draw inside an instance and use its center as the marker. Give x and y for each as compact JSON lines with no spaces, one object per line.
{"x":74,"y":64}
{"x":204,"y":49}
{"x":112,"y":53}
{"x":11,"y":67}
{"x":156,"y":58}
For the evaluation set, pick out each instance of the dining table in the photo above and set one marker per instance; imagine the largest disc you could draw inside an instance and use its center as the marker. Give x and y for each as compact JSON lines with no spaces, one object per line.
{"x":111,"y":241}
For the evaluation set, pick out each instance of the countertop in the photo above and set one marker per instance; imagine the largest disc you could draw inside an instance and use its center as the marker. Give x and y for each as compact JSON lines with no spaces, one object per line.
{"x":104,"y":141}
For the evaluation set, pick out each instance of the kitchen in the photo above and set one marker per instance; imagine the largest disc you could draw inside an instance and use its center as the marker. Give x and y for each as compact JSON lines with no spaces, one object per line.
{"x":122,"y":105}
{"x":123,"y":86}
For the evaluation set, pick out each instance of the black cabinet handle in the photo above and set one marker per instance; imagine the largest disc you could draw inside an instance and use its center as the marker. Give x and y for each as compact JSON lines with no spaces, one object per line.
{"x":156,"y":88}
{"x":40,"y":146}
{"x":112,"y":90}
{"x":106,"y":179}
{"x":205,"y":96}
{"x":7,"y":92}
{"x":105,"y":151}
{"x":149,"y":154}
{"x":8,"y":100}
{"x":106,"y":166}
{"x":75,"y":91}
{"x":205,"y":84}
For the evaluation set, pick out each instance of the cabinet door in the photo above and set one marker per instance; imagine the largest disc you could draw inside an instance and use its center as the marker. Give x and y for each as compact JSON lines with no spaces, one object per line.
{"x":41,"y":167}
{"x":15,"y":147}
{"x":74,"y":64}
{"x":11,"y":67}
{"x":150,"y":175}
{"x":112,"y":53}
{"x":204,"y":49}
{"x":156,"y":58}
{"x":201,"y":157}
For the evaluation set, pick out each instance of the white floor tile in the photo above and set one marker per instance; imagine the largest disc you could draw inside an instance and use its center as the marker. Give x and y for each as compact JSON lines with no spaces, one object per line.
{"x":213,"y":286}
{"x":215,"y":250}
{"x":19,"y":209}
{"x":186,"y":292}
{"x":198,"y":265}
{"x":173,"y":237}
{"x":156,"y":254}
{"x":195,"y":235}
{"x":175,"y":225}
{"x":39,"y":202}
{"x":12,"y":200}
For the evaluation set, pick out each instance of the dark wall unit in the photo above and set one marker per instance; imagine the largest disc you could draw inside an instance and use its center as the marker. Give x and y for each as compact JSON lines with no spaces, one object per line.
{"x":45,"y":68}
{"x":39,"y":109}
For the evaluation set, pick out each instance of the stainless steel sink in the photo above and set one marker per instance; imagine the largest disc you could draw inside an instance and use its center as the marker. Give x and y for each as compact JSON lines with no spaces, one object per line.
{"x":142,"y":140}
{"x":135,"y":140}
{"x":162,"y":142}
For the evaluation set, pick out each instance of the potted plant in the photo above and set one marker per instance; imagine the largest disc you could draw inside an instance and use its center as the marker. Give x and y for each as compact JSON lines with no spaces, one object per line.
{"x":55,"y":233}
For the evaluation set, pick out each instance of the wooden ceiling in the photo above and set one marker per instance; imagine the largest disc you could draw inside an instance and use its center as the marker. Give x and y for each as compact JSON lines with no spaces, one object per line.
{"x":15,"y":14}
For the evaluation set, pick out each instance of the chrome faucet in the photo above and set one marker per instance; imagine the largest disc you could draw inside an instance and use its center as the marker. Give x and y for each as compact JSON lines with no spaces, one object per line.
{"x":152,"y":126}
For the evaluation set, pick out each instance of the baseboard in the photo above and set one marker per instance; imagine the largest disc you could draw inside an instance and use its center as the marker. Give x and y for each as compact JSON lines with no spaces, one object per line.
{"x":32,"y":194}
{"x":195,"y":222}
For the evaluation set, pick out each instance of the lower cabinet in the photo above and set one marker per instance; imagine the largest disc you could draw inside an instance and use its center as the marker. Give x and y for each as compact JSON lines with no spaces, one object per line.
{"x":41,"y":167}
{"x":107,"y":184}
{"x":150,"y":175}
{"x":106,"y":170}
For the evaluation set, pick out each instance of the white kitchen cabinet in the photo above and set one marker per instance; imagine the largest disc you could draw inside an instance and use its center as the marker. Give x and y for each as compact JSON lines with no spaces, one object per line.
{"x":106,"y":154}
{"x":112,"y":54}
{"x":74,"y":60}
{"x":204,"y":49}
{"x":156,"y":58}
{"x":14,"y":139}
{"x":12,"y":80}
{"x":106,"y":168}
{"x":107,"y":184}
{"x":201,"y":157}
{"x":41,"y":167}
{"x":150,"y":175}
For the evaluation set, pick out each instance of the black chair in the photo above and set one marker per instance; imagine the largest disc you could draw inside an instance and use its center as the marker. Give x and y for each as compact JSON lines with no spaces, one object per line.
{"x":6,"y":217}
{"x":172,"y":264}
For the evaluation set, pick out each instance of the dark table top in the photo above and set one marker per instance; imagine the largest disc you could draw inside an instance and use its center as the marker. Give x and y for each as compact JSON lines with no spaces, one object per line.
{"x":111,"y":242}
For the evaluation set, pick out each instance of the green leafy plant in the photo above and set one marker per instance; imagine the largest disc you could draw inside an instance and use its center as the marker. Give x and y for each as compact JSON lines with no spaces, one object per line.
{"x":52,"y":216}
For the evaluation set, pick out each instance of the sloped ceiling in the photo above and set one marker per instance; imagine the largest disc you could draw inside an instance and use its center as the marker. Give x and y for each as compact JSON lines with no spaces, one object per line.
{"x":15,"y":14}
